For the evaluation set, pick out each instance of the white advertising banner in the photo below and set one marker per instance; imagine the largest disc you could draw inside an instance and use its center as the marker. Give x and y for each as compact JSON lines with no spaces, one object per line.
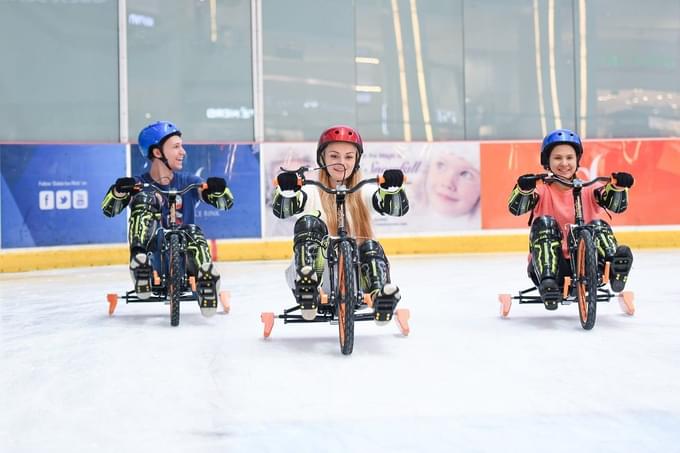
{"x":443,"y":184}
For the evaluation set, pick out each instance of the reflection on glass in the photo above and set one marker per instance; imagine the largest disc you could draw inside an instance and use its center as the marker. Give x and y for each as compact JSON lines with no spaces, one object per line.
{"x":191,"y":61}
{"x":633,"y":83}
{"x":416,"y":54}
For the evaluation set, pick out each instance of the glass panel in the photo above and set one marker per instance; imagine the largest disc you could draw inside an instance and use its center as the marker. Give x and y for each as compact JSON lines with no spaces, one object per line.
{"x":190,"y":62}
{"x":409,"y":53}
{"x":630,"y":83}
{"x":519,"y":68}
{"x":308,"y":68}
{"x":59,"y":77}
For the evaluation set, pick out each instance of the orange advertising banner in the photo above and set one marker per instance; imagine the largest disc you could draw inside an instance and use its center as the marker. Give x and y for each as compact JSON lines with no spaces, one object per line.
{"x":655,"y":164}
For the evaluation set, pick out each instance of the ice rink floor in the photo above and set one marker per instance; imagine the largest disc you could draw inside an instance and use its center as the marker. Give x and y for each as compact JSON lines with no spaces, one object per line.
{"x":73,"y":379}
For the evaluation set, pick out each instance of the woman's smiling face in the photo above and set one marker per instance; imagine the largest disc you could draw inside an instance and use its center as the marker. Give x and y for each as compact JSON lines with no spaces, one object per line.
{"x":340,"y":158}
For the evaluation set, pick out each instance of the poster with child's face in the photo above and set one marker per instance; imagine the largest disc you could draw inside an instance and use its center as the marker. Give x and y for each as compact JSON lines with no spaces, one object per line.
{"x":443,"y":185}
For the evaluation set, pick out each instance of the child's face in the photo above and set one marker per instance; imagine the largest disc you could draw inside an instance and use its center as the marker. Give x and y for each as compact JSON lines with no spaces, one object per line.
{"x":563,"y":161}
{"x":341,"y":153}
{"x":174,"y":152}
{"x":452,"y":185}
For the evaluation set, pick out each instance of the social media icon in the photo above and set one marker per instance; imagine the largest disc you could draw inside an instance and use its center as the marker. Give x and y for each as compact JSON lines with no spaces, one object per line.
{"x":46,"y":200}
{"x":80,"y":199}
{"x":63,"y":199}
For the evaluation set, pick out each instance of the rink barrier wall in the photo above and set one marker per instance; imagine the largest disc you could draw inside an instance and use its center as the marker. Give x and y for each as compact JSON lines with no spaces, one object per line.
{"x":51,"y":258}
{"x":51,"y":216}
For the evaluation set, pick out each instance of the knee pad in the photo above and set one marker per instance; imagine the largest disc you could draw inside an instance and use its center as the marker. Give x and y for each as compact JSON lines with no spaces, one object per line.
{"x":146,"y":201}
{"x":145,"y":212}
{"x":310,"y":235}
{"x":309,"y":227}
{"x":197,"y":247}
{"x":194,"y":231}
{"x":375,"y":269}
{"x":545,"y":228}
{"x":604,"y":239}
{"x":545,"y":243}
{"x":371,"y":249}
{"x":601,"y":226}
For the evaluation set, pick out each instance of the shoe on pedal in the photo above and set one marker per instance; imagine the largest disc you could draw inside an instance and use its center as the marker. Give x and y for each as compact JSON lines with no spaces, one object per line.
{"x":307,"y":292}
{"x":621,"y":263}
{"x":141,"y":272}
{"x":550,"y":293}
{"x":207,"y":289}
{"x":384,"y":303}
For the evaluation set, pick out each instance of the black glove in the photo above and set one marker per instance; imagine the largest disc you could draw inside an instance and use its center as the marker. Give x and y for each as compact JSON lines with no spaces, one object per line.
{"x":527,"y":182}
{"x":216,"y":185}
{"x":623,"y":179}
{"x":392,"y":178}
{"x":125,"y":185}
{"x":288,"y":180}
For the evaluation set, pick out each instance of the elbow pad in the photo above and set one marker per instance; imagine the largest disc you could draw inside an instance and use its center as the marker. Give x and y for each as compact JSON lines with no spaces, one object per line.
{"x":223,"y":200}
{"x":521,"y":202}
{"x":113,"y":205}
{"x":391,"y":203}
{"x":613,"y":198}
{"x":286,"y":205}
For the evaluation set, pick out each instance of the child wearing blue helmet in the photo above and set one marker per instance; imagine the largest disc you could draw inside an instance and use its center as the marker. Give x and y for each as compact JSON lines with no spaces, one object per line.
{"x":161,"y":143}
{"x":552,"y":206}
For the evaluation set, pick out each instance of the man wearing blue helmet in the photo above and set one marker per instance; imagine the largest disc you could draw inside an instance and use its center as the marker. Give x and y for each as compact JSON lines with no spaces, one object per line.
{"x":552,"y":206}
{"x":161,"y":143}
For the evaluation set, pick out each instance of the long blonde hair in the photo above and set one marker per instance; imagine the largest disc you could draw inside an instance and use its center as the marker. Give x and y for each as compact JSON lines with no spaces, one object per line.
{"x":360,"y":227}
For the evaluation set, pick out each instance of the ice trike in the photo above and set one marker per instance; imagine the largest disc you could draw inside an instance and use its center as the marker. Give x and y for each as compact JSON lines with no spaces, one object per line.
{"x":345,"y":303}
{"x":586,"y":283}
{"x":173,"y":281}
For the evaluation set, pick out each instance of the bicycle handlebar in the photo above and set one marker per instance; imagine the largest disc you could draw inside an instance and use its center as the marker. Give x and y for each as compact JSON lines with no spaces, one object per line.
{"x":548,"y":178}
{"x":304,"y":181}
{"x":145,"y":185}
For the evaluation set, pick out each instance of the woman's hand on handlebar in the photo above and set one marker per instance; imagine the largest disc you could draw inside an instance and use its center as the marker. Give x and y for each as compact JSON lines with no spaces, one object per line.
{"x":392,"y":178}
{"x":289,"y":180}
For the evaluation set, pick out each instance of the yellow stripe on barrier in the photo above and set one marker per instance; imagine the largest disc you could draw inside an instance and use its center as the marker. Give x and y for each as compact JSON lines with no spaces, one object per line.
{"x":61,"y":257}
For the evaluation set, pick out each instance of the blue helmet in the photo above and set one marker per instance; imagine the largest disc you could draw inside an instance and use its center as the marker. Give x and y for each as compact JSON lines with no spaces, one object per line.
{"x":559,"y":137}
{"x":154,"y":135}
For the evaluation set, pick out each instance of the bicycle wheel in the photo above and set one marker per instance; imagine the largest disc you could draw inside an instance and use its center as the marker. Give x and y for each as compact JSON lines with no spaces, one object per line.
{"x":347,"y":293}
{"x":175,"y":280}
{"x":586,"y":272}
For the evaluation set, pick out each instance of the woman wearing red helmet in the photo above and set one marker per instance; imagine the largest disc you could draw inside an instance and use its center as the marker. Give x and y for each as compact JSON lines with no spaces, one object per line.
{"x":338,"y":154}
{"x":552,"y":205}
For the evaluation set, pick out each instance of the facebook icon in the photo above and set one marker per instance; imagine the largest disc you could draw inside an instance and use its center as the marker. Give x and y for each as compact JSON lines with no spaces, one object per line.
{"x":46,"y":199}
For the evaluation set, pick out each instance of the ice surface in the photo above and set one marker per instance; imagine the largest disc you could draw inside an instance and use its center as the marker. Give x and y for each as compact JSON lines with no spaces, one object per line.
{"x":74,"y":379}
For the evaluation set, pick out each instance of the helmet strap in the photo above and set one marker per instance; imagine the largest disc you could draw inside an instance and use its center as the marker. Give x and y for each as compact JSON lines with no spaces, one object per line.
{"x":162,"y":158}
{"x":165,"y":161}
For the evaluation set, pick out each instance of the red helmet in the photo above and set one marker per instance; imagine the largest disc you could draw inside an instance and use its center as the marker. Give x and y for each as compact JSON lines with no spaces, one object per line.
{"x":339,"y":134}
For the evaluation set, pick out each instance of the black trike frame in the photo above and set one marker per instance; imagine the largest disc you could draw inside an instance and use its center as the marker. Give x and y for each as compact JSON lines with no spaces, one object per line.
{"x":171,"y":271}
{"x":586,"y":283}
{"x":343,"y":247}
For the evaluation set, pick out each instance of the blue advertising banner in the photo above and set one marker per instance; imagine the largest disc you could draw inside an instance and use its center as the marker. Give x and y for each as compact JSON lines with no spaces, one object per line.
{"x":240,"y":166}
{"x":51,"y":194}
